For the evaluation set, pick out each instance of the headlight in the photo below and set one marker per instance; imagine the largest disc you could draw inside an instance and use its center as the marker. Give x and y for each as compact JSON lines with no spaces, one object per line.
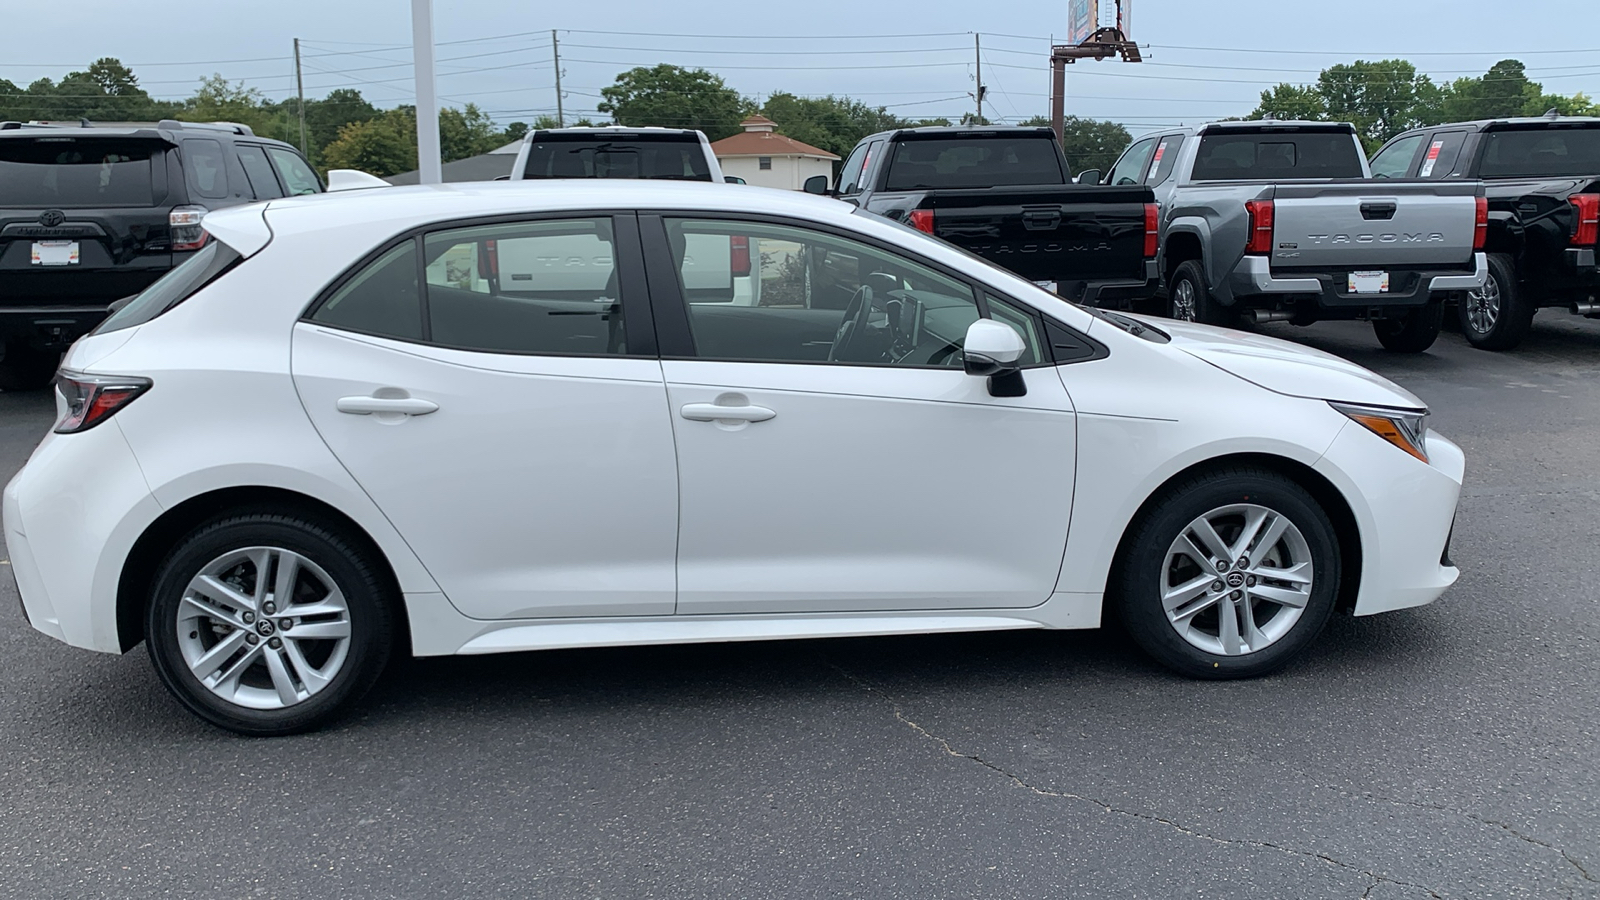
{"x":1404,"y":428}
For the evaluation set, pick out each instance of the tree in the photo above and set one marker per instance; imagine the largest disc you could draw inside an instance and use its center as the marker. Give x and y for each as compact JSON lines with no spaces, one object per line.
{"x":1286,"y":101}
{"x":465,"y":132}
{"x":1380,"y":98}
{"x":386,"y":145}
{"x":217,"y":100}
{"x":834,"y":124}
{"x":1088,"y":143}
{"x":675,"y":97}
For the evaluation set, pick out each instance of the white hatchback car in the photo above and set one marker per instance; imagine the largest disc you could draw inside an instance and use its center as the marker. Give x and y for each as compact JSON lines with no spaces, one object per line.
{"x":338,"y":433}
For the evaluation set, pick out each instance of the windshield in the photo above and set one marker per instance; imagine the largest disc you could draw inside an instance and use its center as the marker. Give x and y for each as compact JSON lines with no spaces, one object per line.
{"x":69,"y":172}
{"x":207,"y":265}
{"x":1541,"y":151}
{"x":626,"y":157}
{"x":974,"y":162}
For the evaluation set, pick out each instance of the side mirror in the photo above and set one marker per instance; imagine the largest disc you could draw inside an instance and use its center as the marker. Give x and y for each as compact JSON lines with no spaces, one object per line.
{"x":502,"y":178}
{"x":733,"y":179}
{"x":1089,"y":176}
{"x":817,"y":184}
{"x":991,"y":350}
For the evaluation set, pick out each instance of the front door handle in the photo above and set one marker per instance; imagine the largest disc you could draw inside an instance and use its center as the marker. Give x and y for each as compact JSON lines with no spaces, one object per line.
{"x":711,"y":412}
{"x":405,"y":406}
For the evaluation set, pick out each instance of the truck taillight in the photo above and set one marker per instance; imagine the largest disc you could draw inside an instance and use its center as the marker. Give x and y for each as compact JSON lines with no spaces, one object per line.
{"x":488,"y":259}
{"x":1480,"y":230}
{"x":921,"y":220}
{"x":1152,"y":230}
{"x":1261,"y":216}
{"x":1586,"y":231}
{"x":184,"y":224}
{"x":739,"y":254}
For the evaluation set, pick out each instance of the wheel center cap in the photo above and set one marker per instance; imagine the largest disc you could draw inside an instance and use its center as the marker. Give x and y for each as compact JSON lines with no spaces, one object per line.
{"x":265,"y":627}
{"x":1234,"y":580}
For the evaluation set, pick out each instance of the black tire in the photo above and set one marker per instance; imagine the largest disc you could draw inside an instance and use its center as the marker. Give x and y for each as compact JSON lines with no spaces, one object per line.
{"x":1412,"y":332}
{"x":371,"y":620}
{"x":24,"y":368}
{"x":1143,"y":574}
{"x":1189,"y":300}
{"x":1499,"y":316}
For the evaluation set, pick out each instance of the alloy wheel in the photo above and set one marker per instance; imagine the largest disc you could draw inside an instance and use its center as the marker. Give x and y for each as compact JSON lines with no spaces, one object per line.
{"x":1483,"y":307}
{"x":1183,"y":301}
{"x":1236,"y":579}
{"x":263,"y":627}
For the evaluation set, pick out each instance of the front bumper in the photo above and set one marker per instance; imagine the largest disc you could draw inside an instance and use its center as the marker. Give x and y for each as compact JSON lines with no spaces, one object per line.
{"x":1405,"y":512}
{"x":1412,"y":287}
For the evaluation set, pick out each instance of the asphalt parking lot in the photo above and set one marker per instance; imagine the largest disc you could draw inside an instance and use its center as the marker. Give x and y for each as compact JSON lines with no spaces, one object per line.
{"x":1451,"y":751}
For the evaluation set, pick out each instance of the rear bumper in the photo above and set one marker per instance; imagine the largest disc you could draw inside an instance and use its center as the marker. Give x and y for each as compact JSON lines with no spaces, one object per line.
{"x":1113,"y":293}
{"x":1254,"y":276}
{"x":50,"y":327}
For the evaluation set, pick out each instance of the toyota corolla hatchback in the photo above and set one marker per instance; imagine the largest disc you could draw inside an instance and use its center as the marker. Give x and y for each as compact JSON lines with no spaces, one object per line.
{"x":488,"y":418}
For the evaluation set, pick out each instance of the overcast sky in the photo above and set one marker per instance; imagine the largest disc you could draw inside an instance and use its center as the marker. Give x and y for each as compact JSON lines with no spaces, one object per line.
{"x":1206,"y":59}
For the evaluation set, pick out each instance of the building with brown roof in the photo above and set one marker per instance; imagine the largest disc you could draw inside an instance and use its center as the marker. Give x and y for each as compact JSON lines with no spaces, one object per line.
{"x":762,"y":156}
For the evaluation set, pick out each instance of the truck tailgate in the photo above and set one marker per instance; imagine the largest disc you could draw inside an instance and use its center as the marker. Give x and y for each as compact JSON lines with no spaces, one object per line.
{"x":1374,"y":224}
{"x":1048,"y":232}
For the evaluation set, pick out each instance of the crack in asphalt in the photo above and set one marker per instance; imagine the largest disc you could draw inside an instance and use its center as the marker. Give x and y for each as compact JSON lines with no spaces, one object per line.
{"x":1018,"y":781}
{"x":1475,"y":818}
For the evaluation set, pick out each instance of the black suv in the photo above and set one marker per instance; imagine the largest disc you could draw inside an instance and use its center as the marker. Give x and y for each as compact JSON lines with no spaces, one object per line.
{"x":91,"y":214}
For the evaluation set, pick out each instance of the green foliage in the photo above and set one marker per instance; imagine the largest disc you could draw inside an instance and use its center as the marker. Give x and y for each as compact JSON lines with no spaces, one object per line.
{"x":834,"y":124}
{"x":1287,"y":101}
{"x":384,"y":145}
{"x":1088,"y":143}
{"x":675,"y":97}
{"x":1380,"y":98}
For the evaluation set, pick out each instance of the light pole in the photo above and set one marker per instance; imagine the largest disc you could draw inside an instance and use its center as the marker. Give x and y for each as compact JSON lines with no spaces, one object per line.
{"x":429,"y":165}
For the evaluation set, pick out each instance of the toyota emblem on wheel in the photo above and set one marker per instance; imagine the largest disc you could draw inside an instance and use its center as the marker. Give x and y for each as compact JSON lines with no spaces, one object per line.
{"x":50,"y":218}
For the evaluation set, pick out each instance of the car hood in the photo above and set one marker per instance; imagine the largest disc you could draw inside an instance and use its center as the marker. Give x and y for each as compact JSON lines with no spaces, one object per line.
{"x":1286,"y":368}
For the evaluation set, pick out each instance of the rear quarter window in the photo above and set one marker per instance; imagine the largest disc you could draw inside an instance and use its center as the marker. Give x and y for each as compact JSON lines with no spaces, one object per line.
{"x":207,"y":265}
{"x":70,"y":172}
{"x":1231,"y":156}
{"x":206,"y":168}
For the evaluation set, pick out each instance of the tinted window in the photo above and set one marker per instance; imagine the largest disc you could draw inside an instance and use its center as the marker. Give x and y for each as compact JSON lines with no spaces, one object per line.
{"x":297,"y":175}
{"x":1025,"y":323}
{"x":973,"y":162}
{"x":803,"y":296}
{"x":381,"y":299}
{"x":1165,"y":159}
{"x":850,"y":173}
{"x":535,"y":287}
{"x":263,"y":183}
{"x":1394,"y":161}
{"x":1131,"y":165}
{"x":1440,"y":158}
{"x":1277,"y":154}
{"x":206,"y":168}
{"x":205,"y":266}
{"x":1541,"y":152}
{"x":77,"y":172}
{"x":621,"y":157}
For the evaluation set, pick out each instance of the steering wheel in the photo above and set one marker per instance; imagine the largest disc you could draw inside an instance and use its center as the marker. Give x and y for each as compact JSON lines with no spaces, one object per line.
{"x":856,"y":314}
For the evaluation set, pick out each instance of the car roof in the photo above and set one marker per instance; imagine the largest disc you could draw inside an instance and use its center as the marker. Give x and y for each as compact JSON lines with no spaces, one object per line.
{"x":643,"y":130}
{"x":168,"y":130}
{"x":399,"y":209}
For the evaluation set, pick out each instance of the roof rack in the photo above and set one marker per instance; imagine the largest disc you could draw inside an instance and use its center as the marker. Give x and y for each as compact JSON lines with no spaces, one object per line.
{"x":230,"y":127}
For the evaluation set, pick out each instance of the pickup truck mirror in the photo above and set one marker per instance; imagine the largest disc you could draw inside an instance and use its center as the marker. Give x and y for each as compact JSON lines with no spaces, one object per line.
{"x":817,"y":184}
{"x":1088,"y":176}
{"x":991,"y":350}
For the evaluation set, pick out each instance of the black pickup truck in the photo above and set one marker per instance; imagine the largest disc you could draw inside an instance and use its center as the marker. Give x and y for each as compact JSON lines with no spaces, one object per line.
{"x":1542,"y":179}
{"x":1007,"y":195}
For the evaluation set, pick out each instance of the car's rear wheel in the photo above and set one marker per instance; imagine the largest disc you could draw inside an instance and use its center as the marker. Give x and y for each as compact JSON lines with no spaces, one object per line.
{"x":1230,"y":575}
{"x":25,"y":368}
{"x":1189,"y":300}
{"x":1411,"y":332}
{"x":1496,"y":316}
{"x":267,"y":624}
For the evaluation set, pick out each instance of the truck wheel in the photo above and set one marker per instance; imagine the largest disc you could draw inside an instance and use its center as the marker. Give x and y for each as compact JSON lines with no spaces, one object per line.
{"x":1497,"y":316}
{"x":1413,"y":332}
{"x":1188,"y":299}
{"x":22,"y":368}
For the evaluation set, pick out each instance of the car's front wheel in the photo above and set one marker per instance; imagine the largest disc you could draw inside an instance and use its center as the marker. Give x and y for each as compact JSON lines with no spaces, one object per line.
{"x":1230,"y":575}
{"x":268,"y":624}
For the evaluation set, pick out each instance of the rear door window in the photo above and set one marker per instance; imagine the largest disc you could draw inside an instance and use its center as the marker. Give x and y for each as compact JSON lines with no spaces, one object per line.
{"x":256,"y":167}
{"x":1165,"y":159}
{"x":603,"y":156}
{"x":206,"y":168}
{"x":1276,"y":154}
{"x":973,"y":161}
{"x":1440,"y":158}
{"x":69,"y":172}
{"x":295,"y":172}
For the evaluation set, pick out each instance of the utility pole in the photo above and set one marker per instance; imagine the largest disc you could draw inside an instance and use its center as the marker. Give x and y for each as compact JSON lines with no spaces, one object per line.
{"x":977,"y":56}
{"x":430,"y":168}
{"x":555,"y":51}
{"x":300,"y":88}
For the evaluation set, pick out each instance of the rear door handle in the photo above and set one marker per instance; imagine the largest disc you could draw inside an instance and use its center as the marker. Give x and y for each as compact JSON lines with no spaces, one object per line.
{"x":405,"y":406}
{"x":711,"y":412}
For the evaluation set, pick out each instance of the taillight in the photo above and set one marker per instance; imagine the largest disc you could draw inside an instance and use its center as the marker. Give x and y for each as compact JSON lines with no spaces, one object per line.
{"x":1586,"y":232}
{"x":1152,"y":229}
{"x":1480,"y":230}
{"x":921,"y":220}
{"x":739,"y":254}
{"x":1261,"y":215}
{"x":489,"y":259}
{"x":184,"y":222}
{"x":88,"y":400}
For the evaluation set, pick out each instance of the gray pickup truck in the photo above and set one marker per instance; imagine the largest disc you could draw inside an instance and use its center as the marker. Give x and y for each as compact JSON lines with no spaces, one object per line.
{"x":1281,"y":221}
